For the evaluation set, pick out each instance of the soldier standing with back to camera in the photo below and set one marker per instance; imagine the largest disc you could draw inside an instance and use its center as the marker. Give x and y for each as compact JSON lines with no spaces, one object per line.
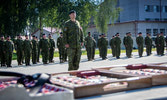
{"x":140,"y":41}
{"x":73,"y":39}
{"x":52,"y":49}
{"x":2,"y":51}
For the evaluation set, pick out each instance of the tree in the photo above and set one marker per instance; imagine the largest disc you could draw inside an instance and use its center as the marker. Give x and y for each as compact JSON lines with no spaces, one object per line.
{"x":106,"y":11}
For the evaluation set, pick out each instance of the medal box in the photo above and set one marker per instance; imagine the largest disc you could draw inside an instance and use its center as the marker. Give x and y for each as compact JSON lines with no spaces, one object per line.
{"x":10,"y":90}
{"x":90,"y":82}
{"x":157,"y":73}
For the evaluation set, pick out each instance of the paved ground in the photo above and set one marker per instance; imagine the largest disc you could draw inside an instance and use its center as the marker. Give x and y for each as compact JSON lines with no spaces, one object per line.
{"x":155,"y":92}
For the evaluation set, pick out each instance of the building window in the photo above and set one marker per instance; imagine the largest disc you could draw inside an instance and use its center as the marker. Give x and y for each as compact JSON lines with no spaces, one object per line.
{"x":156,"y":8}
{"x":162,"y":30}
{"x":155,"y":31}
{"x":148,"y":31}
{"x":164,"y":8}
{"x":147,"y":8}
{"x":156,"y":19}
{"x":147,"y":19}
{"x":165,"y":19}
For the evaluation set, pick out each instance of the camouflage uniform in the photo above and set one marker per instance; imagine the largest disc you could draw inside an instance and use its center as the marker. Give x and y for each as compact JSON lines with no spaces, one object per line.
{"x":104,"y":45}
{"x":19,"y":50}
{"x":9,"y":52}
{"x":94,"y":48}
{"x":161,"y":45}
{"x":129,"y":44}
{"x":61,"y":47}
{"x":125,"y":43}
{"x":140,"y":41}
{"x":34,"y":51}
{"x":44,"y":46}
{"x":2,"y":52}
{"x":157,"y":44}
{"x":99,"y":46}
{"x":148,"y":43}
{"x":38,"y":54}
{"x":73,"y":36}
{"x":89,"y":47}
{"x":117,"y":44}
{"x":112,"y":47}
{"x":51,"y":50}
{"x":27,"y":45}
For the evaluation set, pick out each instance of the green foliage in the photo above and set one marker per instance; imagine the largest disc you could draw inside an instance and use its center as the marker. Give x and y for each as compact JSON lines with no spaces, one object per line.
{"x":106,"y":12}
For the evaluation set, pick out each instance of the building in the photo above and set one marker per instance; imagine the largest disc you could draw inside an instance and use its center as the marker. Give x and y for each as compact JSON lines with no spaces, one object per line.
{"x":146,"y":16}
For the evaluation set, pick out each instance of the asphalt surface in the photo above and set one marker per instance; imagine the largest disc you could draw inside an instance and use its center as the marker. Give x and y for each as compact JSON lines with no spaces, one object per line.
{"x":154,"y":93}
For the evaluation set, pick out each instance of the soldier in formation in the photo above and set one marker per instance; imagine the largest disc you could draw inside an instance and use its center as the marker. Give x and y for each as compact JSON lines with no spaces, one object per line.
{"x":94,"y":48}
{"x":34,"y":49}
{"x":27,"y":46}
{"x":38,"y":54}
{"x":2,"y":51}
{"x":140,"y":41}
{"x":9,"y":46}
{"x":19,"y":49}
{"x":99,"y":45}
{"x":103,"y":45}
{"x":157,"y":44}
{"x":161,"y":44}
{"x":112,"y":45}
{"x":125,"y":43}
{"x":52,"y":48}
{"x":117,"y":44}
{"x":44,"y":46}
{"x":148,"y":44}
{"x":73,"y":39}
{"x":61,"y":48}
{"x":89,"y":46}
{"x":129,"y":45}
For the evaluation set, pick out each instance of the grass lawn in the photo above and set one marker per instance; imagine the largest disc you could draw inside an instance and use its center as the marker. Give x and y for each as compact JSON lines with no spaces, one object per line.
{"x":56,"y":53}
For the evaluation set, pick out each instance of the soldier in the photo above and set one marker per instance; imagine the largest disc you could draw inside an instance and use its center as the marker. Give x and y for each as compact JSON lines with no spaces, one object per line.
{"x":157,"y":44}
{"x":34,"y":50}
{"x":125,"y":42}
{"x":104,"y":45}
{"x":161,"y":44}
{"x":117,"y":44}
{"x":99,"y":45}
{"x":9,"y":51}
{"x":148,"y":43}
{"x":89,"y":46}
{"x":52,"y":48}
{"x":129,"y":45}
{"x":140,"y":41}
{"x":27,"y":45}
{"x":44,"y":46}
{"x":94,"y":48}
{"x":73,"y":39}
{"x":112,"y":46}
{"x":38,"y":54}
{"x":61,"y":48}
{"x":2,"y":51}
{"x":19,"y":49}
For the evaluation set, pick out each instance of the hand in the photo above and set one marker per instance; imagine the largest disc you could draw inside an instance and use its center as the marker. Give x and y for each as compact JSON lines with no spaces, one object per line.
{"x":67,"y":45}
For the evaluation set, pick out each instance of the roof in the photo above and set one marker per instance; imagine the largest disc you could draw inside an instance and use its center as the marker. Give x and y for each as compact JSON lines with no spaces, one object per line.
{"x":53,"y":30}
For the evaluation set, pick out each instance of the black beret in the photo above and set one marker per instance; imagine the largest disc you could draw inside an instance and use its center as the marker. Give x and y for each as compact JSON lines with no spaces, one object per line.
{"x":140,"y":33}
{"x":72,"y":11}
{"x":102,"y":34}
{"x":33,"y":36}
{"x":61,"y":32}
{"x":8,"y":36}
{"x":49,"y":34}
{"x":43,"y":34}
{"x":88,"y":32}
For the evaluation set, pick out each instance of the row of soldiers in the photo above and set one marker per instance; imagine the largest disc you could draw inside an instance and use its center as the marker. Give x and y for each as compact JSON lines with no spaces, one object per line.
{"x":25,"y":49}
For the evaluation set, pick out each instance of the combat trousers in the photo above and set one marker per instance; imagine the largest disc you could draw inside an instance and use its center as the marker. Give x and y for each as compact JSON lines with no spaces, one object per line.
{"x":140,"y":50}
{"x":65,"y":54}
{"x":51,"y":55}
{"x":9,"y":59}
{"x":104,"y":52}
{"x":34,"y":56}
{"x":38,"y":55}
{"x":45,"y":55}
{"x":113,"y":51}
{"x":19,"y":57}
{"x":148,"y":50}
{"x":2,"y":57}
{"x":74,"y":56}
{"x":27,"y":57}
{"x":117,"y":51}
{"x":61,"y":54}
{"x":129,"y":51}
{"x":93,"y":53}
{"x":89,"y":52}
{"x":158,"y":49}
{"x":161,"y":51}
